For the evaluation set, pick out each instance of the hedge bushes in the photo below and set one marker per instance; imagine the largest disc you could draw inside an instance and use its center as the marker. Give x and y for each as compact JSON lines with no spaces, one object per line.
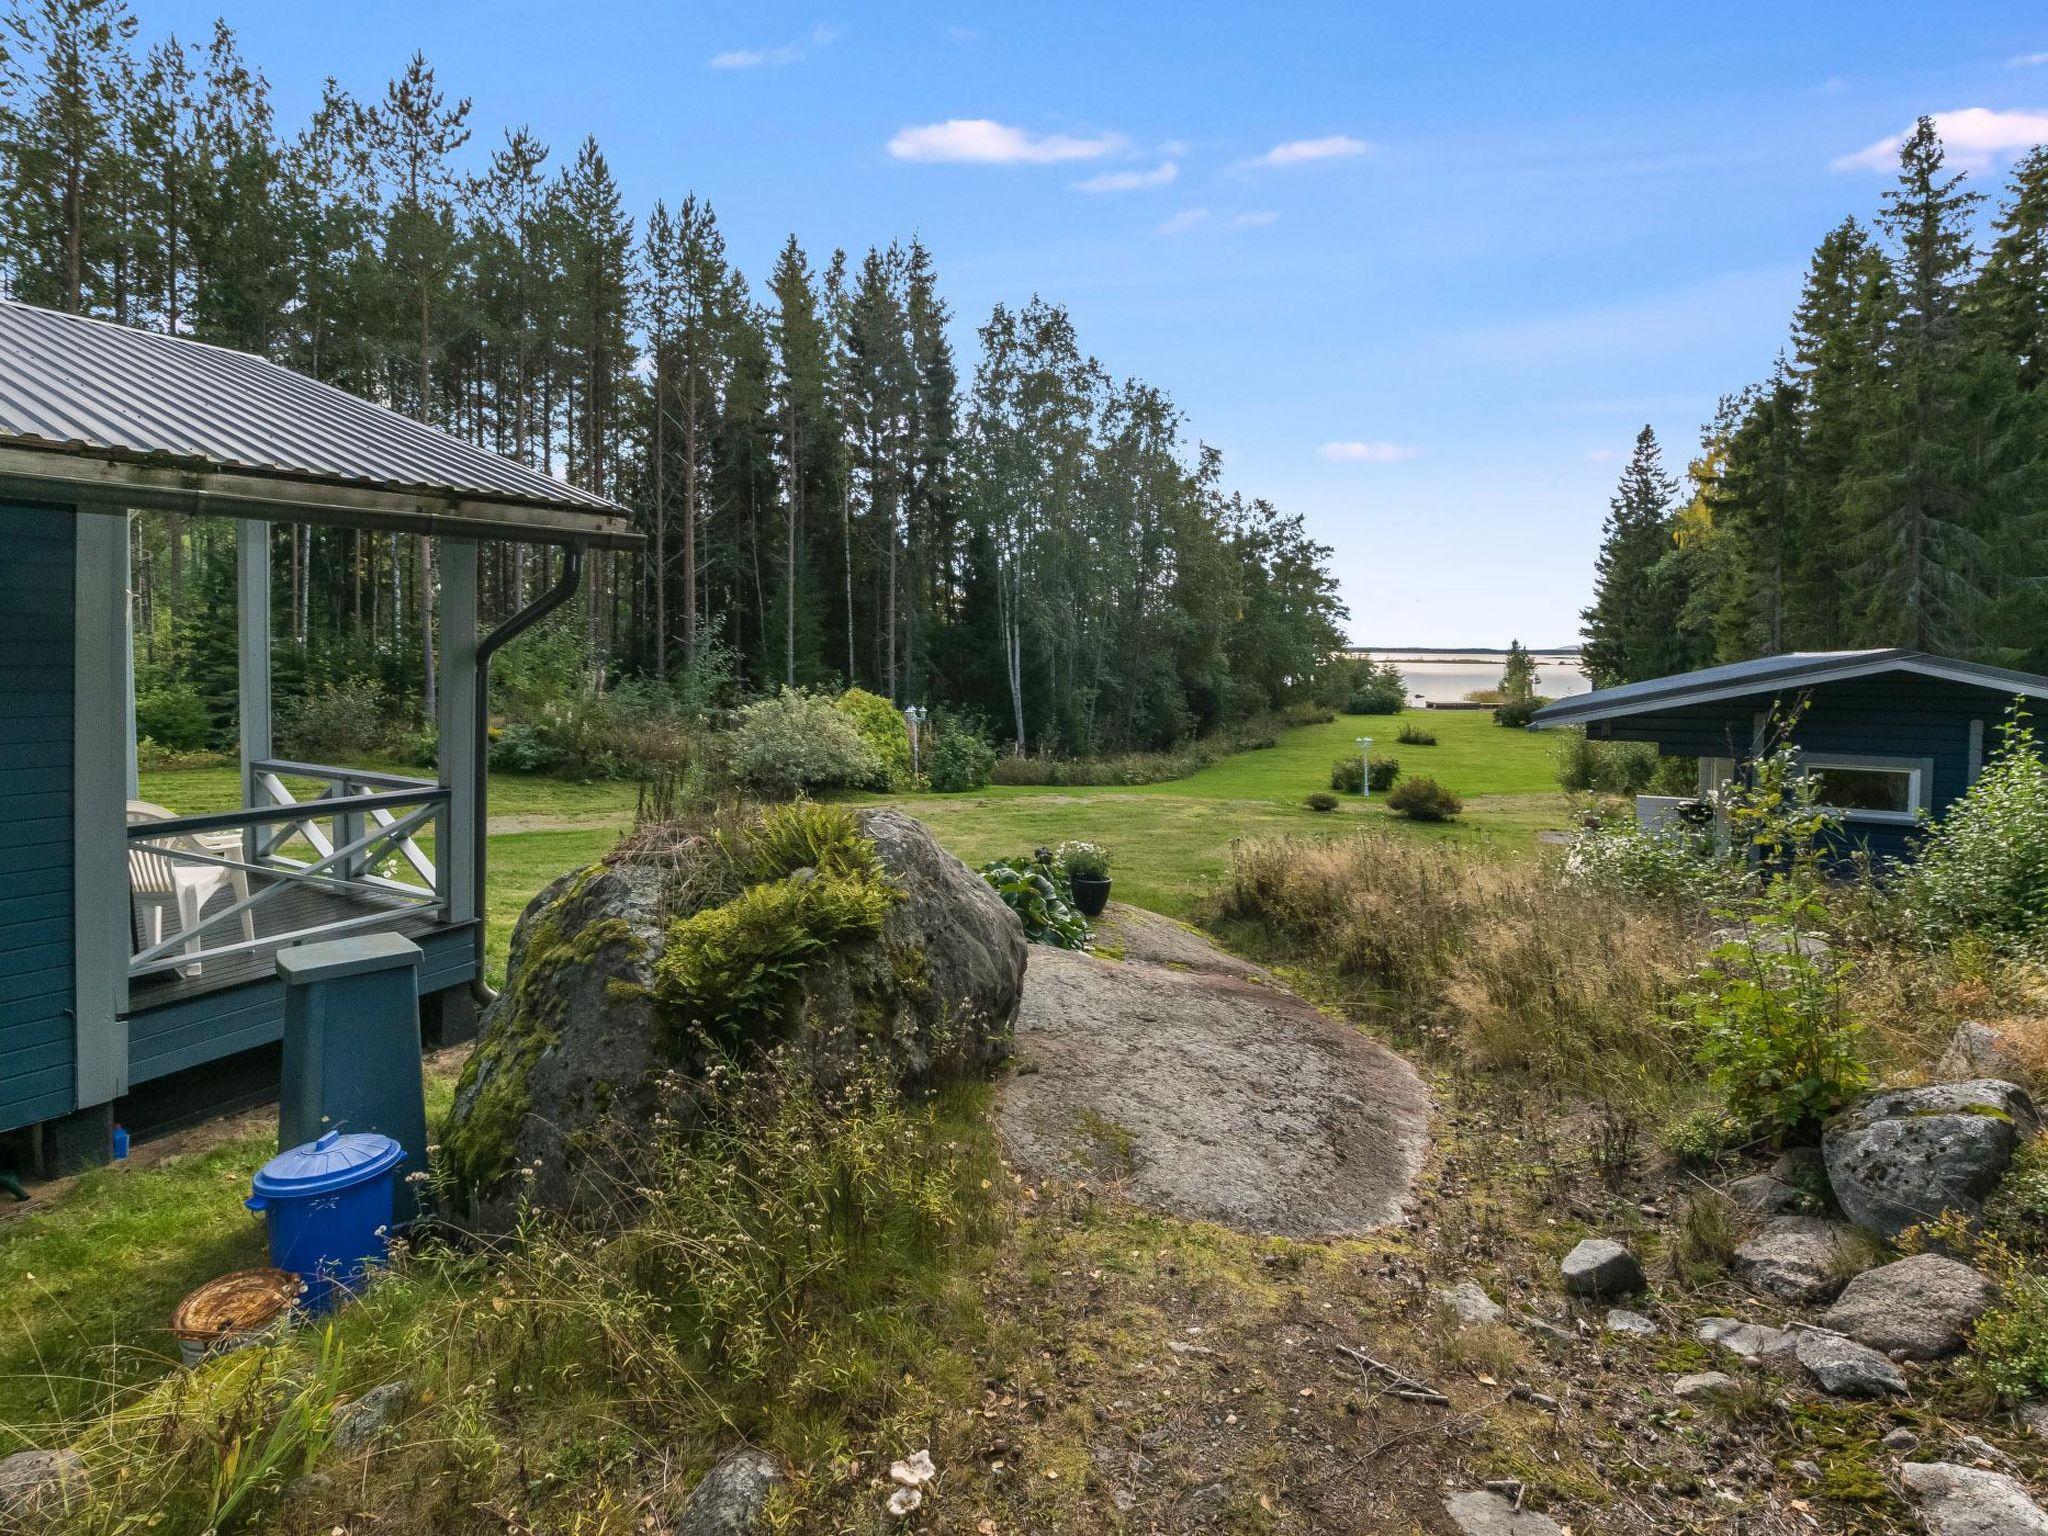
{"x":1423,"y":799}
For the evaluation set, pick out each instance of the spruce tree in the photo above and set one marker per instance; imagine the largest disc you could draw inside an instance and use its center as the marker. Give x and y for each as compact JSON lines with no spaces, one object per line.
{"x":1623,"y":628}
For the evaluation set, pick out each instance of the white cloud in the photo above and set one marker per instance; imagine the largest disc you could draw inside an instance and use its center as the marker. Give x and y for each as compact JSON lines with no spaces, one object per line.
{"x":983,"y":141}
{"x":1187,"y":219}
{"x":775,"y":58}
{"x":1160,"y":175}
{"x":1368,"y":453}
{"x":1975,"y":139}
{"x":1257,"y":218}
{"x":2026,"y":60}
{"x":1834,"y":85}
{"x":1603,"y":455}
{"x":1336,"y":146}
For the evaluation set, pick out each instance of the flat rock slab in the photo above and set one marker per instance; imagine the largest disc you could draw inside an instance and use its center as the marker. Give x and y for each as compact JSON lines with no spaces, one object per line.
{"x":1210,"y":1094}
{"x":1921,"y":1306}
{"x":1966,"y":1501}
{"x":1752,"y":1341}
{"x":1845,"y":1368}
{"x":1480,"y":1513}
{"x":1794,"y":1258}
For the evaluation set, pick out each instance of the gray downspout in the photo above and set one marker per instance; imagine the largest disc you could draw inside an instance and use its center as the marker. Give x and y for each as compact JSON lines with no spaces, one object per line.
{"x":512,"y":628}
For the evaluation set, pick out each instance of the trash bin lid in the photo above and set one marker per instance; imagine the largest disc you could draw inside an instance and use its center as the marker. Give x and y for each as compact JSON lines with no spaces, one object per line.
{"x":335,"y":1161}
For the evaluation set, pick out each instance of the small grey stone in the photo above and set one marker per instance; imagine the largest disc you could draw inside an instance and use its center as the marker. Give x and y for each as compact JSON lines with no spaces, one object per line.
{"x":1601,"y":1267}
{"x":356,"y":1424}
{"x":1468,"y":1299}
{"x":728,"y":1499}
{"x":2035,"y":1417}
{"x":1920,"y":1305}
{"x":1901,"y":1440}
{"x":1621,"y":1320}
{"x":1794,"y":1258}
{"x":1966,"y":1501}
{"x":1898,"y":1159}
{"x":1543,"y":1326}
{"x":1705,"y":1387}
{"x":1479,"y":1513}
{"x":1766,"y":1196}
{"x":1810,"y":1470}
{"x":1976,"y":1448}
{"x":1752,"y":1341}
{"x":36,"y":1487}
{"x":1803,"y":1168}
{"x":1845,"y":1368}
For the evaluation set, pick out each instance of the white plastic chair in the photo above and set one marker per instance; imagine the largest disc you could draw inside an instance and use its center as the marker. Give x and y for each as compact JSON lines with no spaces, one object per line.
{"x":162,"y":881}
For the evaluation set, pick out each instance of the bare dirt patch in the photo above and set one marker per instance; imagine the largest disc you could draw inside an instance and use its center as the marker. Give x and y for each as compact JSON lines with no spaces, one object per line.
{"x":1197,"y":1085}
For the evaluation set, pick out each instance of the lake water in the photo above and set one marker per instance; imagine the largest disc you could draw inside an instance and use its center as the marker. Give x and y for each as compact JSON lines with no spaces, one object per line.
{"x":1445,"y":677}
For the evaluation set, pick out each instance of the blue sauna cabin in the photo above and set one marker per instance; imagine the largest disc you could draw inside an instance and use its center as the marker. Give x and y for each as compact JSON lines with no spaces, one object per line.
{"x":138,"y":945}
{"x":1893,"y":737}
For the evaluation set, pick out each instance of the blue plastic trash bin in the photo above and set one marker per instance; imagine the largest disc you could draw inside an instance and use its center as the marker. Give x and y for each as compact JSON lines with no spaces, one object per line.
{"x":328,"y":1204}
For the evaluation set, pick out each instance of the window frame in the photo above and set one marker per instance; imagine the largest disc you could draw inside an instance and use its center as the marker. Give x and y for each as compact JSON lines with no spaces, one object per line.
{"x":1919,"y":784}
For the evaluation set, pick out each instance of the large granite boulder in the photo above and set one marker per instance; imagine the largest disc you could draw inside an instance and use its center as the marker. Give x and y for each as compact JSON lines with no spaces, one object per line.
{"x":1955,"y":1500}
{"x":1796,"y":1258}
{"x":596,"y":1047}
{"x":1920,"y":1307}
{"x":1899,"y":1159}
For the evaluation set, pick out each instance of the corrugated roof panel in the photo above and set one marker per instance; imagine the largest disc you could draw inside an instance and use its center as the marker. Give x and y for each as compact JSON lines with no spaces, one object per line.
{"x":82,"y":385}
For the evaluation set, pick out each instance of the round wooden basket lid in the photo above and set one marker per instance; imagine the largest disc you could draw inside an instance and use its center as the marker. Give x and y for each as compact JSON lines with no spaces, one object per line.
{"x":244,"y":1302}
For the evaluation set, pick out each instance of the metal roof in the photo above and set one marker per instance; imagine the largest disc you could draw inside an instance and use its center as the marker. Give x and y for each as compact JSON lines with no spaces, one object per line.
{"x":90,"y":403}
{"x":1774,"y":674}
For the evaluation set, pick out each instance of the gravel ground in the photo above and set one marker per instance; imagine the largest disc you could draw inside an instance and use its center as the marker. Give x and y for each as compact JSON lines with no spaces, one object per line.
{"x":1200,"y":1086}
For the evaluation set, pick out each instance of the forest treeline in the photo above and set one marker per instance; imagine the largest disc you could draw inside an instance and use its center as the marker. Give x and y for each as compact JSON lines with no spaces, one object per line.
{"x":828,"y":502}
{"x":1885,"y":484}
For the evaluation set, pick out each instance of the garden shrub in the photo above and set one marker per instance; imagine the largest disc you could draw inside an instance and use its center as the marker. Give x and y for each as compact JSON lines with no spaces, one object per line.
{"x":1984,"y":866}
{"x":345,"y":718}
{"x":1375,"y":689}
{"x":633,"y":731}
{"x":883,"y":728}
{"x":1586,"y":766}
{"x":795,"y":743}
{"x":1322,"y":800}
{"x":1381,"y":772}
{"x":1673,"y":862}
{"x":1770,"y":1020}
{"x":1517,"y":713}
{"x":1423,"y":799}
{"x":1416,"y":736}
{"x":1347,"y":774}
{"x":174,"y":717}
{"x":960,"y":759}
{"x":1031,"y":888}
{"x":2010,"y":1343}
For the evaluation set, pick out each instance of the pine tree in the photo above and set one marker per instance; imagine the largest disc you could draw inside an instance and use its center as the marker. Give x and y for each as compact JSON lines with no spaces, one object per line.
{"x":807,"y":441}
{"x":1518,"y":675}
{"x":1622,"y":626}
{"x":1915,"y":497}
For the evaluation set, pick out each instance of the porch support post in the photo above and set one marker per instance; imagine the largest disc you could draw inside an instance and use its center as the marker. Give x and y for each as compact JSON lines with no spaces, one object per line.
{"x":101,"y":909}
{"x":455,"y":856}
{"x":252,"y":631}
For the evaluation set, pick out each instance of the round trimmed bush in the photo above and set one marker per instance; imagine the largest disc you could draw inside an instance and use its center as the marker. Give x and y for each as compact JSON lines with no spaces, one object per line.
{"x":1322,"y":800}
{"x":1423,"y":799}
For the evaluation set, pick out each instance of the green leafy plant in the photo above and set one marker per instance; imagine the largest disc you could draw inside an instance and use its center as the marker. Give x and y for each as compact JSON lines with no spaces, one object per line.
{"x":1770,"y":1019}
{"x":883,"y":728}
{"x":1381,"y":772}
{"x":2010,"y":1344}
{"x":796,"y":743}
{"x":1517,"y":713}
{"x":1672,"y":862}
{"x":174,"y":716}
{"x":1984,"y":867}
{"x":1322,"y":800}
{"x":960,"y":759}
{"x":1416,"y":736}
{"x":1423,"y":799}
{"x":1031,"y":889}
{"x":1347,"y":774}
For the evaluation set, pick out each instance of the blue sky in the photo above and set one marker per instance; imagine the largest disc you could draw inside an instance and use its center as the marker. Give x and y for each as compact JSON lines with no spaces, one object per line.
{"x":1420,"y":272}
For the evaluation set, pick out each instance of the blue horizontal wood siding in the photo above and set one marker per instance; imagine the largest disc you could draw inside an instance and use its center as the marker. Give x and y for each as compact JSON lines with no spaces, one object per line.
{"x":1896,"y":715}
{"x":206,"y":1028}
{"x":37,"y":1044}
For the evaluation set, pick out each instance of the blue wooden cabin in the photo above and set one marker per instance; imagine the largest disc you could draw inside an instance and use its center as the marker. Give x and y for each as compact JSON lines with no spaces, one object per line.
{"x":137,"y":944}
{"x":1893,"y":737}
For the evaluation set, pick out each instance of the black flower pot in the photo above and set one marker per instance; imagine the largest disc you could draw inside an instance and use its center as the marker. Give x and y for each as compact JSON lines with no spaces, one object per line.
{"x":1090,"y":896}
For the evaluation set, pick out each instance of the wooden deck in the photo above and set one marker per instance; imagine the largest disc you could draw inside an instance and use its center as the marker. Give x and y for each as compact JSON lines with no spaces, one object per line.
{"x":293,"y":910}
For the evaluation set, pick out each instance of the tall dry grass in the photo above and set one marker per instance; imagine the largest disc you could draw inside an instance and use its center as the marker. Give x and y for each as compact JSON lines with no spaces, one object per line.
{"x":1494,"y":961}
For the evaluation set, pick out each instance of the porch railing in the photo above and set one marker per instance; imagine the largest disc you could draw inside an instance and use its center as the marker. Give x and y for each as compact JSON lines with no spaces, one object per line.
{"x":355,"y":846}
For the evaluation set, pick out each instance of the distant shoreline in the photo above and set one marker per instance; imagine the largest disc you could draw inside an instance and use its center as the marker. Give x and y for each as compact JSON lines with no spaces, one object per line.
{"x":1447,"y":652}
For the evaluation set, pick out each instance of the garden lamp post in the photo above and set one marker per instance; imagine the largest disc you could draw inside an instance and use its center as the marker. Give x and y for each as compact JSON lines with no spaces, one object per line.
{"x":915,"y":714}
{"x":1365,"y":766}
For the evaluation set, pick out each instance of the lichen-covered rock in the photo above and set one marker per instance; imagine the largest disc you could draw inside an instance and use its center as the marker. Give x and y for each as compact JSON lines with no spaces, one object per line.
{"x":1898,"y":1159}
{"x":1752,"y":1341}
{"x":729,"y":1499}
{"x":1844,"y":1368}
{"x":1920,"y":1306}
{"x":1795,"y":1258}
{"x":37,"y":1488}
{"x":1966,"y":1501}
{"x":1987,"y":1051}
{"x":597,"y":1046}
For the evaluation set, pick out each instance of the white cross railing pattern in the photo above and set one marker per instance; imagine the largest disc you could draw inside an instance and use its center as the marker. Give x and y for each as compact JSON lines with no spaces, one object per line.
{"x":357,"y":842}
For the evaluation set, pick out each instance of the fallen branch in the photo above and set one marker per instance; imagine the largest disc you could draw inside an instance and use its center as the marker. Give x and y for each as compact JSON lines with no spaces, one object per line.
{"x":1404,"y":1385}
